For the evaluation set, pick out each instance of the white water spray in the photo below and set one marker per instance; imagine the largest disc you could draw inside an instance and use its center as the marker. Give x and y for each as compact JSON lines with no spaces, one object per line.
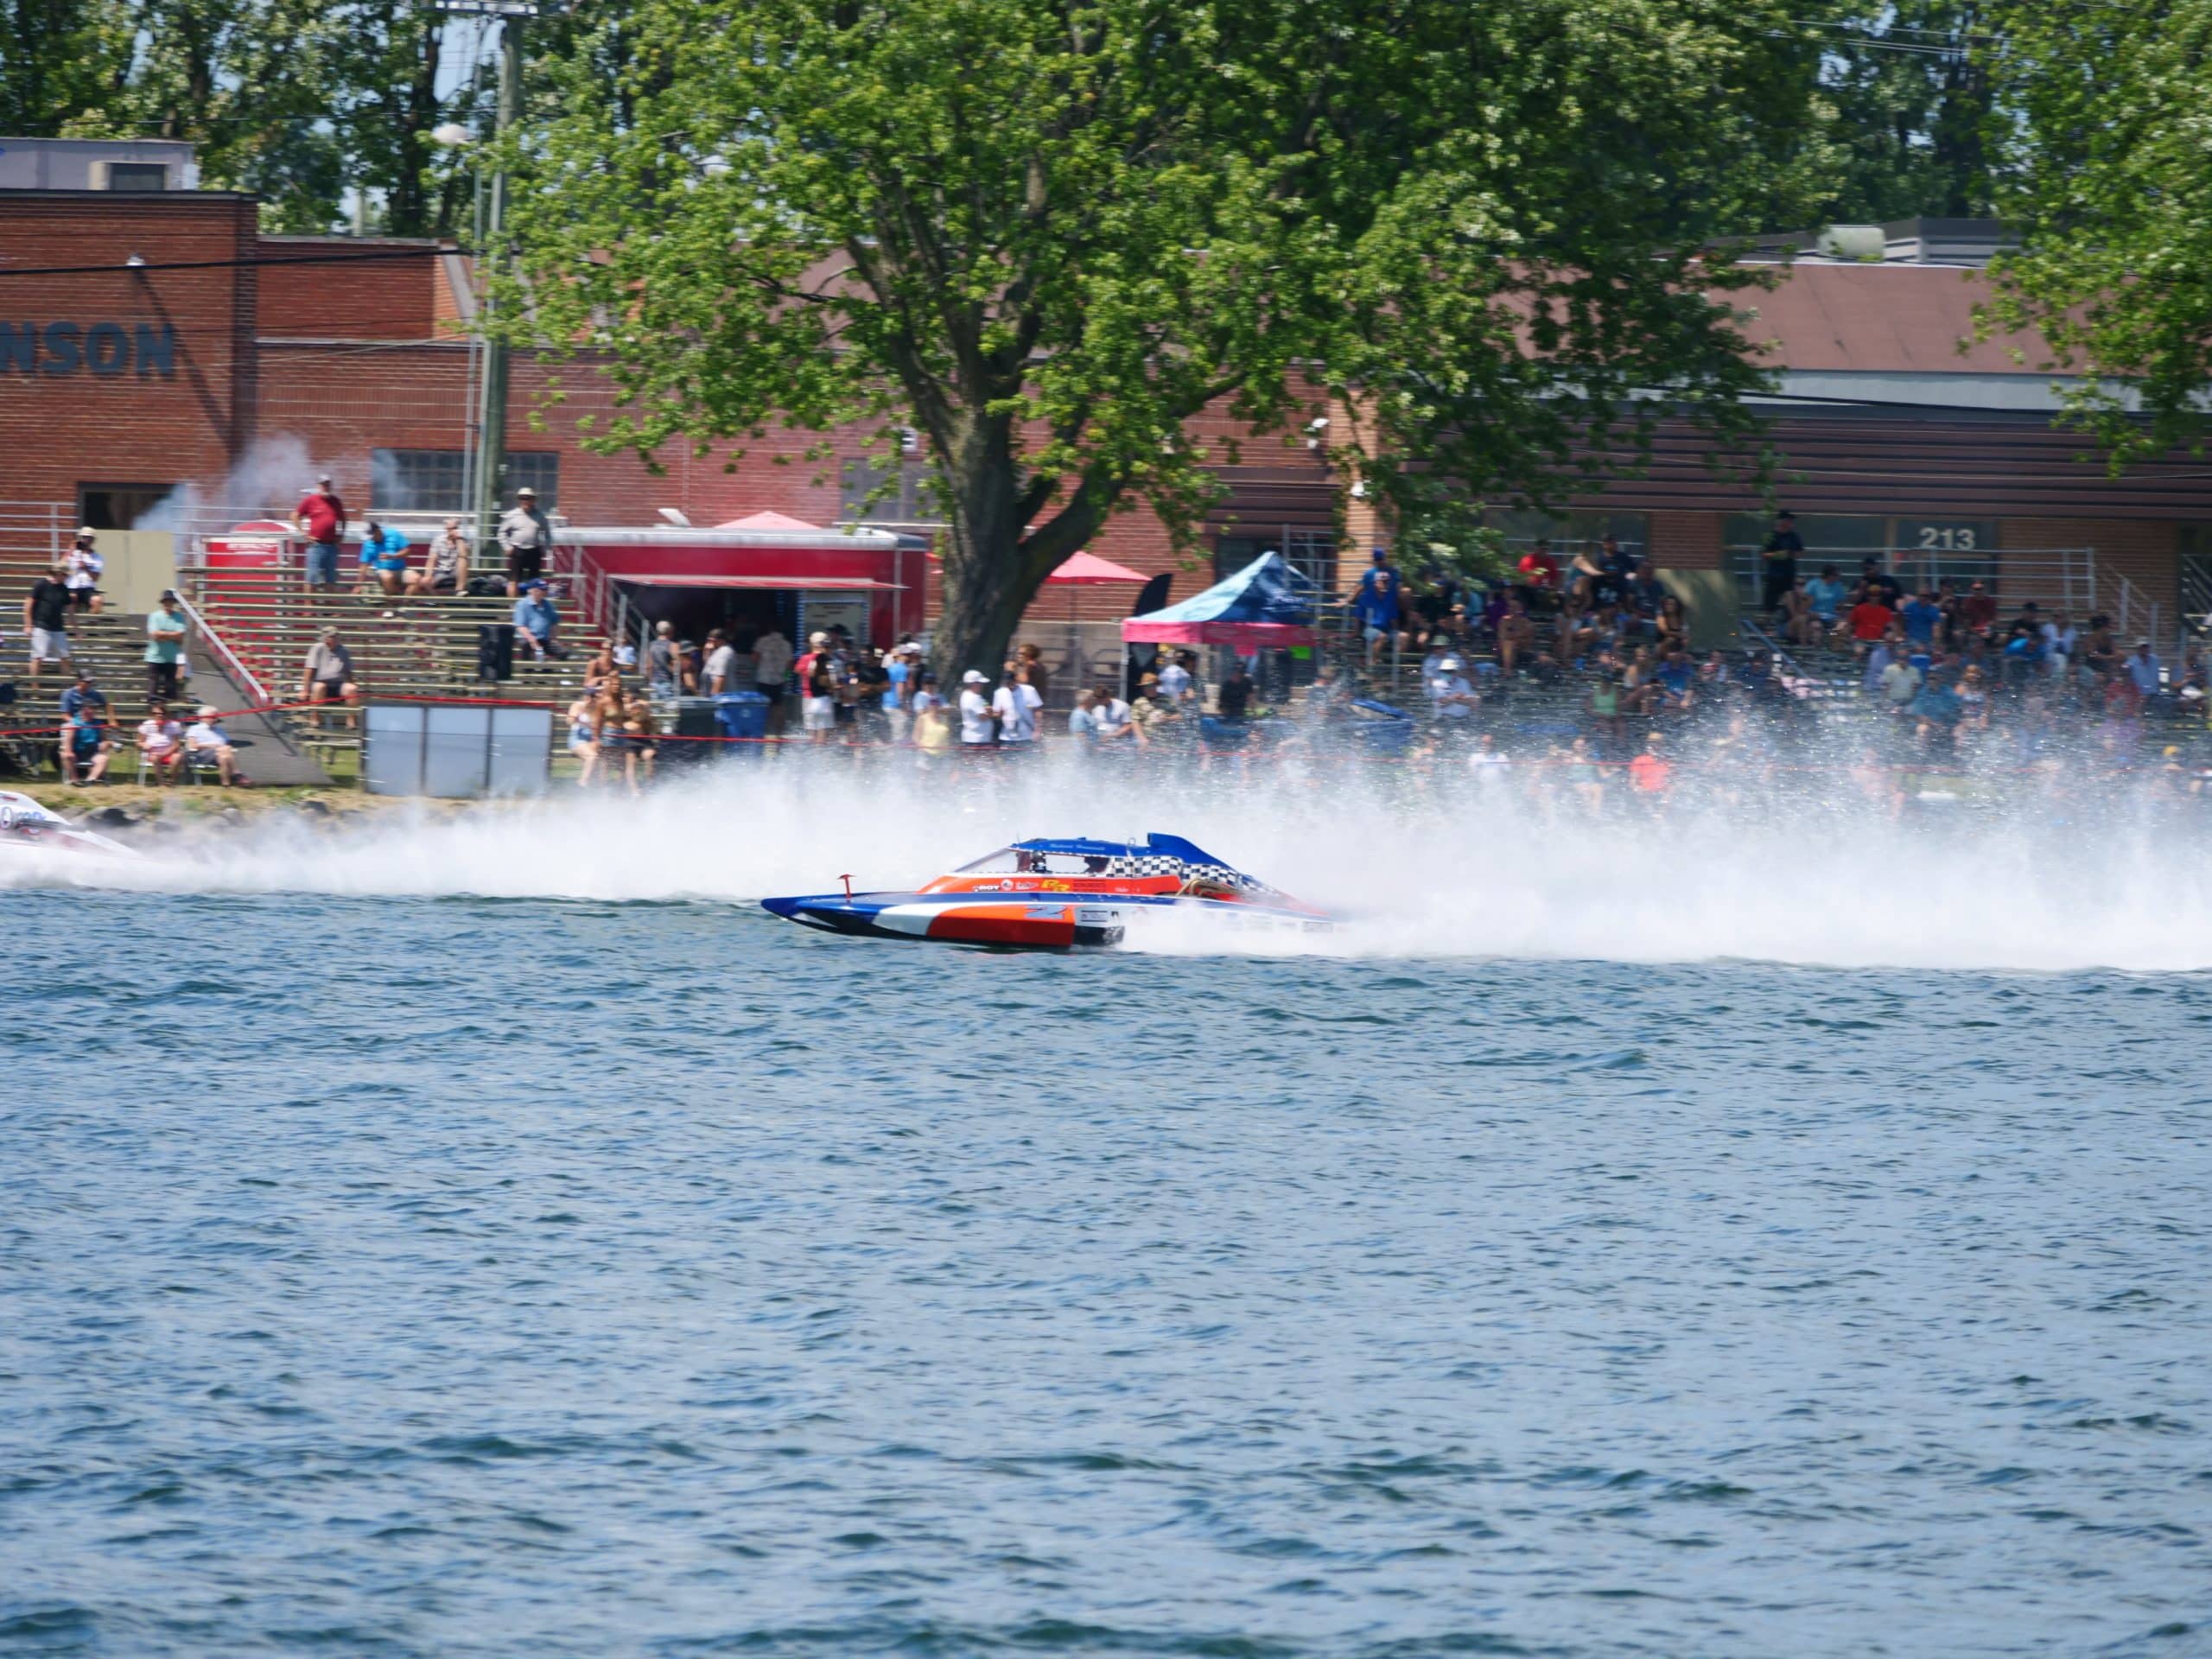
{"x":1471,"y":872}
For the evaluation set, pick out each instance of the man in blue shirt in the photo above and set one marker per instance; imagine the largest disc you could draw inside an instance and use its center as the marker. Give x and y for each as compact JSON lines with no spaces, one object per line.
{"x":384,"y":557}
{"x":535,"y":621}
{"x":1378,"y":602}
{"x":2144,"y":670}
{"x":372,"y":550}
{"x":82,"y":695}
{"x":86,"y":744}
{"x":1920,"y":615}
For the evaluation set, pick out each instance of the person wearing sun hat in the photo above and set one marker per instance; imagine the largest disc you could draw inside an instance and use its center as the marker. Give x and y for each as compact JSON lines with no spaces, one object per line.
{"x":526,"y":536}
{"x":85,"y":566}
{"x":205,"y":738}
{"x":978,"y":720}
{"x":1450,"y":696}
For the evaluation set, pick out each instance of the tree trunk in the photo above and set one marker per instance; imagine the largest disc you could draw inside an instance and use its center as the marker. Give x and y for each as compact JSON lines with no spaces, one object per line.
{"x":996,"y":562}
{"x":988,"y":583}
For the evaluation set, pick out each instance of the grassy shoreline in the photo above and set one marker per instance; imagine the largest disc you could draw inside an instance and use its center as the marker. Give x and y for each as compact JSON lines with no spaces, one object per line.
{"x":181,"y":803}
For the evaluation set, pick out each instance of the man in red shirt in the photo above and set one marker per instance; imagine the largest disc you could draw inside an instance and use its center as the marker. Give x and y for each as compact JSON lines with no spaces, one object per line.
{"x":1978,"y":610}
{"x":1870,"y":619}
{"x":322,"y":518}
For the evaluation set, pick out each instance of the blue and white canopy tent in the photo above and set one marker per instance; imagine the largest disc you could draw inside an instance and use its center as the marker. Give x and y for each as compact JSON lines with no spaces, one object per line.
{"x":1265,"y":604}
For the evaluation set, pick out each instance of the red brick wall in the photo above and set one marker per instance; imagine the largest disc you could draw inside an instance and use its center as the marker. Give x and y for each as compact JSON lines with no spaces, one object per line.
{"x":2144,"y":551}
{"x":347,"y":298}
{"x":57,"y":432}
{"x":1686,"y":541}
{"x":343,"y":400}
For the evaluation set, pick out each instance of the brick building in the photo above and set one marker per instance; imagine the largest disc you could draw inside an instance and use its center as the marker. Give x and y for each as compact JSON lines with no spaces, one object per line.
{"x":152,"y":338}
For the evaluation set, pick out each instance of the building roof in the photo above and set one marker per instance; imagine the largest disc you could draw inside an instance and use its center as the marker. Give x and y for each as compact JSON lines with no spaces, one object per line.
{"x":1891,"y":318}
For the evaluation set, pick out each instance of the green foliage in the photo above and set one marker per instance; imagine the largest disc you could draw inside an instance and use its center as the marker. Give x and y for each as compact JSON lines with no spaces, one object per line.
{"x":57,"y":58}
{"x":296,"y":100}
{"x":2111,"y":189}
{"x":242,"y":80}
{"x":1904,"y":112}
{"x":1048,"y":234}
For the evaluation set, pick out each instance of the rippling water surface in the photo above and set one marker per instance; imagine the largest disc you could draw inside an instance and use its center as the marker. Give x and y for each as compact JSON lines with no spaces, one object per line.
{"x":421,"y":1275}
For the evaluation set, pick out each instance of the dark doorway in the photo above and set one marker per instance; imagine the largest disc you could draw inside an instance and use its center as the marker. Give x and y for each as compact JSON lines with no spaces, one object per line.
{"x":118,"y":507}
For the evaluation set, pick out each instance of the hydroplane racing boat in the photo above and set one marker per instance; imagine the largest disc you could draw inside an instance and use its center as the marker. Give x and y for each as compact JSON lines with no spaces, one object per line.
{"x":26,"y":827}
{"x":1050,"y":895}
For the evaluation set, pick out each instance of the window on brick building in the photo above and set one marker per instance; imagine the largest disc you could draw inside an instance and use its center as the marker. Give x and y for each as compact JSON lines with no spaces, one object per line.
{"x":138,"y":175}
{"x":877,"y":491}
{"x":118,"y":507}
{"x":1311,"y":553}
{"x":1920,"y":549}
{"x":541,"y":470}
{"x":436,"y":480}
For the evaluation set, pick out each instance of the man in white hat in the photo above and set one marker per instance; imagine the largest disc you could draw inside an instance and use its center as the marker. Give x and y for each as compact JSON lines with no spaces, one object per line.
{"x":320,"y":518}
{"x":978,"y":720}
{"x":85,"y":565}
{"x":204,"y":738}
{"x":818,"y":645}
{"x":1450,"y":696}
{"x":526,"y":536}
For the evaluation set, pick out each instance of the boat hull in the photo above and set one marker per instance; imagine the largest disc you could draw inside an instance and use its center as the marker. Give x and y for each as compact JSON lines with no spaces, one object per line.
{"x":953,"y":920}
{"x":1093,"y":922}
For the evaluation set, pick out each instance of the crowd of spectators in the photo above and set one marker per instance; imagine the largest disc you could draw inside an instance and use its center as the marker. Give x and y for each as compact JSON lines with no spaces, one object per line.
{"x":1598,"y":639}
{"x":1579,"y":666}
{"x":386,"y":560}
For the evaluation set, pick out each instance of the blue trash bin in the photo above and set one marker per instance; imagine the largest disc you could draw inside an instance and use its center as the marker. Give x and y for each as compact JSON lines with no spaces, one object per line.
{"x":742,"y":714}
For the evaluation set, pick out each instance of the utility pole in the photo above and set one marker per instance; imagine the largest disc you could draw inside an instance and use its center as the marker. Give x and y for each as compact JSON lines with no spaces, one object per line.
{"x":491,"y":458}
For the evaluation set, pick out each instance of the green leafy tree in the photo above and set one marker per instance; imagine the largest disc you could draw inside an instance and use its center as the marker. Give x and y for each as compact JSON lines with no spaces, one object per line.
{"x":297,"y":100}
{"x":244,"y":81}
{"x":2111,"y":189}
{"x":1906,"y":103}
{"x":1047,"y":233}
{"x":384,"y":66}
{"x":58,"y":60}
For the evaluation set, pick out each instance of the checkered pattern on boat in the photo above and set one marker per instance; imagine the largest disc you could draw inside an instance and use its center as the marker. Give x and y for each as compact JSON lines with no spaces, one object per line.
{"x":1160,"y":864}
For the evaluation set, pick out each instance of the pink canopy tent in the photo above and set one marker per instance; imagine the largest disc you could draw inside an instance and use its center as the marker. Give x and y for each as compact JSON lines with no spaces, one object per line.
{"x":1083,"y":570}
{"x":1089,"y":570}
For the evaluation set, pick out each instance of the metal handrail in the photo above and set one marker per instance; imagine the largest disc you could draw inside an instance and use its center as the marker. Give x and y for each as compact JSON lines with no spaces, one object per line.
{"x":232,"y":662}
{"x":1836,"y":691}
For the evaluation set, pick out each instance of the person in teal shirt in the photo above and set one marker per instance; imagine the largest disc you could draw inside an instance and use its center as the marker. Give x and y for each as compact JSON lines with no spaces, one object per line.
{"x":384,"y":558}
{"x":1828,"y":593}
{"x":165,"y":632}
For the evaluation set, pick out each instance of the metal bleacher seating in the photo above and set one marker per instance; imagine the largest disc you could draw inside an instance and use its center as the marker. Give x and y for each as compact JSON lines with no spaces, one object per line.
{"x":424,"y":647}
{"x":112,"y":644}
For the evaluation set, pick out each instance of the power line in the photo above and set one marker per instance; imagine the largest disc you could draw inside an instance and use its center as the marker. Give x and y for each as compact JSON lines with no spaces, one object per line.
{"x":364,"y":255}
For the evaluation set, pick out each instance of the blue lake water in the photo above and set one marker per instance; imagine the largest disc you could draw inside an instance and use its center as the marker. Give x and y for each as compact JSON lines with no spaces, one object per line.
{"x":401,"y":1274}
